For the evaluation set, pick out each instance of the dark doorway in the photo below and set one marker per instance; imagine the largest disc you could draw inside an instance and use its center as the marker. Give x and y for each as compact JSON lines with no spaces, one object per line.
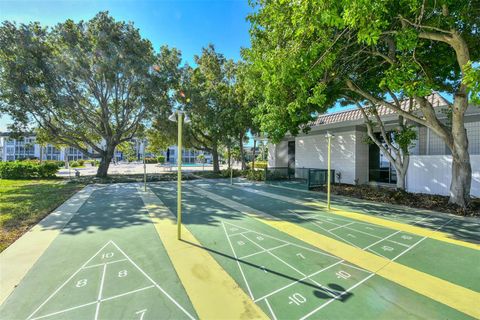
{"x":379,"y":168}
{"x":291,"y":154}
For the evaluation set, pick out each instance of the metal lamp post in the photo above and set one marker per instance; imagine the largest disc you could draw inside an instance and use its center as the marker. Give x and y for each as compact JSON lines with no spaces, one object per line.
{"x":329,"y":136}
{"x":181,"y":118}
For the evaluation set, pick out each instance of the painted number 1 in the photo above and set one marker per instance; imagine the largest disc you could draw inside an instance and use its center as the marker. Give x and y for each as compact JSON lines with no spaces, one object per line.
{"x":141,"y":313}
{"x":297,"y":299}
{"x":301,"y":256}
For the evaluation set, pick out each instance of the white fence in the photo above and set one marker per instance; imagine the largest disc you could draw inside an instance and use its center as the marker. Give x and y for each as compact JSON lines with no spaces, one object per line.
{"x":433,"y":174}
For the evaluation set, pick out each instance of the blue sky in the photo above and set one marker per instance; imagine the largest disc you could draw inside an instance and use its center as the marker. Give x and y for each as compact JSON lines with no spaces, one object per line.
{"x":186,"y":25}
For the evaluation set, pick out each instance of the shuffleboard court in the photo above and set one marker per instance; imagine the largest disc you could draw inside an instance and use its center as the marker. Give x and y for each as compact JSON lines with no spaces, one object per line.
{"x":107,"y":263}
{"x":420,"y":252}
{"x":248,"y":251}
{"x":288,"y":278}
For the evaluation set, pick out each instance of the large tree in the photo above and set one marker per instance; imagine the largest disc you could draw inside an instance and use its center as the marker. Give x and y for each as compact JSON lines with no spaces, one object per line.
{"x":90,"y":85}
{"x":208,"y":88}
{"x":312,"y":53}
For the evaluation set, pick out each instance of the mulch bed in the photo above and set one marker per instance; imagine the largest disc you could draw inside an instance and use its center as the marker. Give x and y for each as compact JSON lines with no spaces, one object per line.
{"x":414,"y":200}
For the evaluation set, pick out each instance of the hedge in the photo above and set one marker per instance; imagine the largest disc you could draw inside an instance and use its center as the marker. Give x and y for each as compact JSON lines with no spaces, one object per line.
{"x":259,"y":164}
{"x":161,"y":159}
{"x":27,"y":170}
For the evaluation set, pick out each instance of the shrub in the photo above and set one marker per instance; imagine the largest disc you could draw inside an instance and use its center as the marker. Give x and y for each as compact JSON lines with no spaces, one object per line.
{"x":161,"y":159}
{"x":226,"y":173}
{"x":258,"y":164}
{"x":74,"y":164}
{"x":47,"y":170}
{"x":27,"y":170}
{"x":81,"y":162}
{"x":150,"y":160}
{"x":255,"y":175}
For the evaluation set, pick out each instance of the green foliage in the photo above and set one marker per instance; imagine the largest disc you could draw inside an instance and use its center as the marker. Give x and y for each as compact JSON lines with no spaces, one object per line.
{"x":255,"y":175}
{"x":404,"y":137}
{"x":81,"y":162}
{"x":161,"y":159}
{"x":74,"y":164}
{"x":259,"y":164}
{"x":201,"y":158}
{"x":472,"y":80}
{"x":151,"y":160}
{"x":27,"y":170}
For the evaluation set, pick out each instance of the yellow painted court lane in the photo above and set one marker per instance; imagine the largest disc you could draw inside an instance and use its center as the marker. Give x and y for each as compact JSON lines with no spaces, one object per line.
{"x":213,"y":293}
{"x":432,"y":234}
{"x":455,"y":296}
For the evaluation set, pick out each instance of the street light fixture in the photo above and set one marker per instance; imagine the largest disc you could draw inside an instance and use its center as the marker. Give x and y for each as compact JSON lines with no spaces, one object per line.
{"x":329,"y":136}
{"x":182,"y":117}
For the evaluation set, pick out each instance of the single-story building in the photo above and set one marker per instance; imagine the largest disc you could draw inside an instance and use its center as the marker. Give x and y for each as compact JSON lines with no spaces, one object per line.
{"x":359,"y":162}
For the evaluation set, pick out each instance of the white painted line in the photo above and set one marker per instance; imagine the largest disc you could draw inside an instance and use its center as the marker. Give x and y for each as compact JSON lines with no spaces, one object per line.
{"x":271,"y":310}
{"x":299,"y":280}
{"x":101,"y":264}
{"x":239,"y":233}
{"x":267,"y":250}
{"x":371,"y":245}
{"x":238,"y":263}
{"x":65,"y":310}
{"x":377,"y":253}
{"x":290,"y":243}
{"x":152,"y":281}
{"x":66,"y":281}
{"x":319,"y":226}
{"x":97,"y":310}
{"x":278,"y":258}
{"x":331,"y":300}
{"x":338,"y":227}
{"x":127,"y":293}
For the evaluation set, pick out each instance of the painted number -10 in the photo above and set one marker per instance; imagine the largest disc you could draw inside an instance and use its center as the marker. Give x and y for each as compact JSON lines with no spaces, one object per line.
{"x":297,"y":299}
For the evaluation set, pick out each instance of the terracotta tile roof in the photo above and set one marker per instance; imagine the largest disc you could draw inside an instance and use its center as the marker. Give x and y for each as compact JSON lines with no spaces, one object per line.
{"x":355,"y":114}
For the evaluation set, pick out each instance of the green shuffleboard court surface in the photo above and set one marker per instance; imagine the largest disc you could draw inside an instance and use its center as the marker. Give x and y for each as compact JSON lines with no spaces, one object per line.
{"x":111,"y":262}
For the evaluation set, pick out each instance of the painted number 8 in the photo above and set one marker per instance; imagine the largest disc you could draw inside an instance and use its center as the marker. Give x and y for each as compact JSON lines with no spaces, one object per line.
{"x":122,"y":273}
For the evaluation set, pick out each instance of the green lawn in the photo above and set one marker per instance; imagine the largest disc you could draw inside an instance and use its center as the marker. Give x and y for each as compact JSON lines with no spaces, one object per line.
{"x":25,"y":202}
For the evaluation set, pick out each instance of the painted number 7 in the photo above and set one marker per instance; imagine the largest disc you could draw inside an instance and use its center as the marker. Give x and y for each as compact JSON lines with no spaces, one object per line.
{"x":141,"y":313}
{"x":301,"y":256}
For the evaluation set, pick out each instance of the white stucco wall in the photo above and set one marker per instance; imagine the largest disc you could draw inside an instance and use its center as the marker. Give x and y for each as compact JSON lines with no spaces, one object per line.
{"x":433,"y":174}
{"x":278,"y":154}
{"x":311,"y":152}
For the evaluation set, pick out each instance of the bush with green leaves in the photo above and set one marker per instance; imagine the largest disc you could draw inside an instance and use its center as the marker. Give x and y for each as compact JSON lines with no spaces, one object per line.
{"x":74,"y":164}
{"x":81,"y":162}
{"x":150,"y":160}
{"x":161,"y":159}
{"x":27,"y":170}
{"x":259,"y":164}
{"x":255,"y":175}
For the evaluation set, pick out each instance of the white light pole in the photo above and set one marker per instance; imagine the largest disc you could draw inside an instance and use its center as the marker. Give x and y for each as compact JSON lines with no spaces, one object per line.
{"x":144,"y":167}
{"x":264,"y":140}
{"x":181,"y":119}
{"x":329,"y":136}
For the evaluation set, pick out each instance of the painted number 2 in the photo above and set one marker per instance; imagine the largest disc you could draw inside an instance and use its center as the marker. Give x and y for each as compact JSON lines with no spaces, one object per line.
{"x":297,"y":299}
{"x":141,"y":313}
{"x":81,"y":283}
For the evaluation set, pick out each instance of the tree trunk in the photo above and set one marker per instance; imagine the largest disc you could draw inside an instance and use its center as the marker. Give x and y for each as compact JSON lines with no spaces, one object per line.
{"x":253,"y":160}
{"x":216,"y":166}
{"x":242,"y":153}
{"x":401,"y":169}
{"x":105,"y":162}
{"x":461,"y":167}
{"x":229,"y":155}
{"x":41,"y":154}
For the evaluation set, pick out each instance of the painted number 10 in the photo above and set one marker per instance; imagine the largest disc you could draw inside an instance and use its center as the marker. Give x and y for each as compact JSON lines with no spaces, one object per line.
{"x":107,"y":255}
{"x":297,"y":299}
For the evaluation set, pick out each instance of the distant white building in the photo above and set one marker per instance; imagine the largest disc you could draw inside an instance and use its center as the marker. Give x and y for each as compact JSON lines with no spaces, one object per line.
{"x":430,"y":164}
{"x":26,"y":148}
